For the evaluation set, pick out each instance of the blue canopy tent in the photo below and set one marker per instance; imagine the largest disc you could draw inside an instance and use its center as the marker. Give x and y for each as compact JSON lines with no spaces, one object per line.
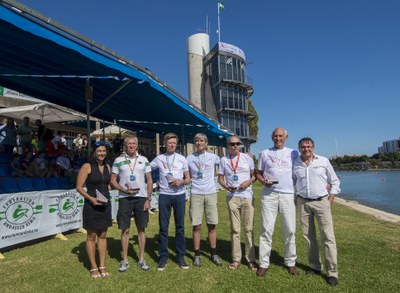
{"x":41,"y":58}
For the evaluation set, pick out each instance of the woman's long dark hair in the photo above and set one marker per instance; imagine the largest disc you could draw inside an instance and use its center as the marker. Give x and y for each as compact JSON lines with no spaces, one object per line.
{"x":97,"y":144}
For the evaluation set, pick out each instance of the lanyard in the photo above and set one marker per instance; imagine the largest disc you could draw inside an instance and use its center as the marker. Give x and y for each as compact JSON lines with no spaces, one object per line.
{"x":279,"y":157}
{"x":201,"y":165}
{"x":129,"y":165}
{"x":237,"y":162}
{"x":168,"y":164}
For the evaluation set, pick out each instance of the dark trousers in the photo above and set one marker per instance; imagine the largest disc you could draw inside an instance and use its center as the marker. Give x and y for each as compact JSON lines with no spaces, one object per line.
{"x":168,"y":202}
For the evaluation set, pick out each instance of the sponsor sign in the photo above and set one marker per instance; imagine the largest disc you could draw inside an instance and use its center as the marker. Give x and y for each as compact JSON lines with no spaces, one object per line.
{"x":231,"y":49}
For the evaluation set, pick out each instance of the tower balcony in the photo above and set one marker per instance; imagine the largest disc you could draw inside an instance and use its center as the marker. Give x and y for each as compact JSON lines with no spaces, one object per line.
{"x":247,"y":85}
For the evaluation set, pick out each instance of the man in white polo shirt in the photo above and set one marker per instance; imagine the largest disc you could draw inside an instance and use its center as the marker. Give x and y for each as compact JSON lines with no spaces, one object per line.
{"x":312,"y":175}
{"x":236,"y":175}
{"x":275,"y":173}
{"x":203,"y":197}
{"x":129,"y":172}
{"x":174,"y":175}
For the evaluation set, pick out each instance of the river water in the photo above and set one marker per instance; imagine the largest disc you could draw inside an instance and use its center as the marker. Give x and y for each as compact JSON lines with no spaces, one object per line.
{"x":375,"y":189}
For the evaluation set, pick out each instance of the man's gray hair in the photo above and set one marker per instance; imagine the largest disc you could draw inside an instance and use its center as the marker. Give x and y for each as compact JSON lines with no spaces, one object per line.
{"x":284,"y":130}
{"x":134,"y":137}
{"x":200,"y":136}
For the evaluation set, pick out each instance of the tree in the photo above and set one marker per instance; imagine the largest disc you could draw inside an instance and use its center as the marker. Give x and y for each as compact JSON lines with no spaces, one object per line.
{"x":253,"y":124}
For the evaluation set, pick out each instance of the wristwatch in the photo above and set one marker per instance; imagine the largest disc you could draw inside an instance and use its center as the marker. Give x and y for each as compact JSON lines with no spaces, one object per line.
{"x":149,"y":199}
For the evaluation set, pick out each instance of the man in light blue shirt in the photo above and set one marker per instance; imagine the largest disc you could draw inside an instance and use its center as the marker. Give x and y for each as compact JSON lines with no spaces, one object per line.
{"x":312,"y":174}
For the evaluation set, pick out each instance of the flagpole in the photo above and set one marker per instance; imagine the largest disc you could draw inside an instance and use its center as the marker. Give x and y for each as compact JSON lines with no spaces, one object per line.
{"x":219,"y":29}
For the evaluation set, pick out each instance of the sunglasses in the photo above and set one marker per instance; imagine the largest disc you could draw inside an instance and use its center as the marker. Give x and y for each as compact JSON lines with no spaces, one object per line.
{"x":235,"y":143}
{"x":100,"y":143}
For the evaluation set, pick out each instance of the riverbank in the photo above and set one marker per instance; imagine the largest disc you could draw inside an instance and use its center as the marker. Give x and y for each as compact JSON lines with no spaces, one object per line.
{"x":369,"y":211}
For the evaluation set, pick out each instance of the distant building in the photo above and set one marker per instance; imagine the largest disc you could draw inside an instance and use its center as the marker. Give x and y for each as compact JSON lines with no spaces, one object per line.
{"x":218,"y":84}
{"x":389,"y":146}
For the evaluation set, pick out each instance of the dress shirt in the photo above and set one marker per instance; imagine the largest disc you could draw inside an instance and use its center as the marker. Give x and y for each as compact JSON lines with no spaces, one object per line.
{"x":311,"y":180}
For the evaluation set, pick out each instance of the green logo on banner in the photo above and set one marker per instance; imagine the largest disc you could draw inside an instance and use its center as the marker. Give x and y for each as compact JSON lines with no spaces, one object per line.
{"x":19,"y":212}
{"x":1,"y":91}
{"x":67,"y":205}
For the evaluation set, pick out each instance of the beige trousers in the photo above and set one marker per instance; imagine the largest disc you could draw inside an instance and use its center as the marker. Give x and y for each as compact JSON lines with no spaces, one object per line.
{"x":241,"y":209}
{"x":321,"y":211}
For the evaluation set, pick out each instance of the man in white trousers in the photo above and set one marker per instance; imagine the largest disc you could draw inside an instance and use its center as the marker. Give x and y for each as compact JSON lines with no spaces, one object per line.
{"x":277,"y":196}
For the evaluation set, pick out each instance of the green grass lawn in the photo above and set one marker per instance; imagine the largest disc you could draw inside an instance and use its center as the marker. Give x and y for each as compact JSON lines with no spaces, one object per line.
{"x":368,"y":250}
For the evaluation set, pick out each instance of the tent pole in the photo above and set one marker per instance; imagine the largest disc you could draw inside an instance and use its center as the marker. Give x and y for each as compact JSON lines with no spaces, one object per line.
{"x":110,"y":96}
{"x":157,"y":144}
{"x":88,"y":124}
{"x":183,"y":141}
{"x":104,"y":131}
{"x":89,"y":99}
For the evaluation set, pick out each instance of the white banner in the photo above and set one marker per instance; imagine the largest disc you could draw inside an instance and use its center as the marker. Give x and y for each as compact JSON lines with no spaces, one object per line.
{"x":231,"y":49}
{"x":13,"y":94}
{"x":31,"y":215}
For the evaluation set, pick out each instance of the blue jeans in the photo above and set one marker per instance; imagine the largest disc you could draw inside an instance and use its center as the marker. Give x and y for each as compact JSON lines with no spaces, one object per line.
{"x":166,"y":203}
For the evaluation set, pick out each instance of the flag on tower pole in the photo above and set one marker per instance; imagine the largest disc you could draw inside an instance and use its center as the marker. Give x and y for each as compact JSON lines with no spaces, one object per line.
{"x":221,"y":6}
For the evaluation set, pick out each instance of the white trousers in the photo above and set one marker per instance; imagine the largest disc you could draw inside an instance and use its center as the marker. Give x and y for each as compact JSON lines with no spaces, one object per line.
{"x":271,"y":204}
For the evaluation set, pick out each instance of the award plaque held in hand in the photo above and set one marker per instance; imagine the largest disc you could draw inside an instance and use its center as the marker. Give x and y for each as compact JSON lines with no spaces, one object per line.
{"x":132,"y":188}
{"x":101,"y":198}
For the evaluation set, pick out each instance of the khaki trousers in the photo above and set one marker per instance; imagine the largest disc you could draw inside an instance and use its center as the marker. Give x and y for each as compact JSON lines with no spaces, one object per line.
{"x":321,"y":210}
{"x":241,"y":208}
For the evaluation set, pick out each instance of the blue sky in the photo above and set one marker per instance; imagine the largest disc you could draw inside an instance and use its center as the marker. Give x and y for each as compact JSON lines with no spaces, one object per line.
{"x":328,"y":69}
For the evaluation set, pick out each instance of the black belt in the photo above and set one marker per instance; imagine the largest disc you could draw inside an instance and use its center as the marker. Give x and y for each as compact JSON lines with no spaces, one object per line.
{"x":313,"y":199}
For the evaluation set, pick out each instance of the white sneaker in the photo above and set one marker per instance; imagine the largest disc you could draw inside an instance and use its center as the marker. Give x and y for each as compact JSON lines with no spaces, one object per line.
{"x":123,"y":266}
{"x":143,"y":265}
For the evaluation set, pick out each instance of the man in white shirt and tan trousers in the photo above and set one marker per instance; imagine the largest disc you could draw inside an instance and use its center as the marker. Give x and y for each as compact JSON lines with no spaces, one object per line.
{"x":312,"y":175}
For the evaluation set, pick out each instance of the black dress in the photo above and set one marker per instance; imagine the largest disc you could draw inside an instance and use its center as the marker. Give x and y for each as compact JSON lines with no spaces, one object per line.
{"x":97,"y":217}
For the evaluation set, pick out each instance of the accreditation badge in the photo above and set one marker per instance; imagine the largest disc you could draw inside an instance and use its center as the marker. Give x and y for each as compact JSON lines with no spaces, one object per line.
{"x":132,"y":178}
{"x":235,"y":177}
{"x":200,"y":174}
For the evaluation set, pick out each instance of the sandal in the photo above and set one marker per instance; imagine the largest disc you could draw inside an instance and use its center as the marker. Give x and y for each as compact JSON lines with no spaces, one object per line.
{"x":103,"y":272}
{"x":234,"y":265}
{"x":95,"y":275}
{"x":253,"y":266}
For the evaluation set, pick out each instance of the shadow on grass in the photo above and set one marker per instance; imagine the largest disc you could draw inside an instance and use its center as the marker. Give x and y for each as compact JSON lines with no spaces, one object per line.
{"x":223,"y":251}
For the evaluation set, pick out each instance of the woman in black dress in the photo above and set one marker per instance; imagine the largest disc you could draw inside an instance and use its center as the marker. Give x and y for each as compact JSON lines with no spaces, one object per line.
{"x":97,"y":209}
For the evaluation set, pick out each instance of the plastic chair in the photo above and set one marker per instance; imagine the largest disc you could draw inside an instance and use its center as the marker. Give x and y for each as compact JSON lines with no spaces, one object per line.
{"x":63,"y":183}
{"x":52,"y":183}
{"x":4,"y":159}
{"x":39,"y":183}
{"x":4,"y":171}
{"x":9,"y":185}
{"x":26,"y":184}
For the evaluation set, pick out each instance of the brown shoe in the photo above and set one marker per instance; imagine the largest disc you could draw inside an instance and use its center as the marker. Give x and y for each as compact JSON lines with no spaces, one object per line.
{"x":261,"y":272}
{"x":293,"y":271}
